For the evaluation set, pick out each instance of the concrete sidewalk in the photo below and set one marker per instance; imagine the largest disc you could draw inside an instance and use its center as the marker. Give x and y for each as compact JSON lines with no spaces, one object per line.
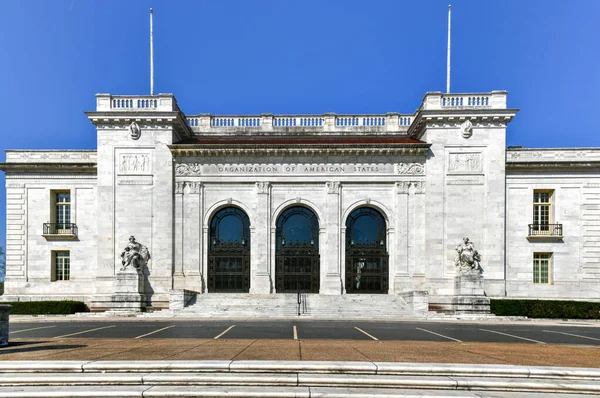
{"x":315,"y":350}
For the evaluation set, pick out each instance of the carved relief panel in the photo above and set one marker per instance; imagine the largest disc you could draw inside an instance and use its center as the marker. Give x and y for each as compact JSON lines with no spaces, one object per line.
{"x":465,"y":163}
{"x":134,"y":163}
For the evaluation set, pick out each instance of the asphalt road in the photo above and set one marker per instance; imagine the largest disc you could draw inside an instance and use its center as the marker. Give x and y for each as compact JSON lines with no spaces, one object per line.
{"x":311,"y":330}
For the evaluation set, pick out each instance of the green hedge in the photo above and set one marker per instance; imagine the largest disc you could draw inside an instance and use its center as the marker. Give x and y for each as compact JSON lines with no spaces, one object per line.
{"x":546,"y":309}
{"x":47,"y":307}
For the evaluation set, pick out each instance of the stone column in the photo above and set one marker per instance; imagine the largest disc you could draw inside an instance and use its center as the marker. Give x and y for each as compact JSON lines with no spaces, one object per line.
{"x":329,"y":243}
{"x":260,"y":252}
{"x":192,"y":237}
{"x":402,"y":281}
{"x":178,"y":275}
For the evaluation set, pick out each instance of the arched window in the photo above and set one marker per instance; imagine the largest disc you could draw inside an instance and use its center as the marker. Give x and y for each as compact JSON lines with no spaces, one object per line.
{"x":297,"y":251}
{"x":366,"y":252}
{"x":229,"y":251}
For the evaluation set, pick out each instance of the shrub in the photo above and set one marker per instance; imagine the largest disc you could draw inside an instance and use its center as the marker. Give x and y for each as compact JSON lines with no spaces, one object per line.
{"x":47,"y":307}
{"x":546,"y":308}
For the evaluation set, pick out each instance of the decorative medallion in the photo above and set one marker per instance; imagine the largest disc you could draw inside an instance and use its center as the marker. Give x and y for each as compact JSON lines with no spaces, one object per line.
{"x":467,"y":129}
{"x":134,"y":131}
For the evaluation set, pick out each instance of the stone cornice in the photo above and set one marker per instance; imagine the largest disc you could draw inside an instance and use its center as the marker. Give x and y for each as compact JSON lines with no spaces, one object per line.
{"x":146,"y":119}
{"x":291,"y":150}
{"x":567,"y":166}
{"x":13,"y":167}
{"x":451,"y":118}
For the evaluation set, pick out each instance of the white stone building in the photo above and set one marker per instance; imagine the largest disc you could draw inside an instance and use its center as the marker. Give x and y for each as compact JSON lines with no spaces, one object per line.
{"x":333,"y":205}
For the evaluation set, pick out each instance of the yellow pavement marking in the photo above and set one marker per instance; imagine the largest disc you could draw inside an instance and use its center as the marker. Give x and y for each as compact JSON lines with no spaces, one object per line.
{"x":225,"y":331}
{"x":27,"y":330}
{"x":156,"y":331}
{"x":85,"y":331}
{"x":441,"y":335}
{"x":571,"y":334}
{"x":512,"y":335}
{"x":362,"y":331}
{"x":295,"y":333}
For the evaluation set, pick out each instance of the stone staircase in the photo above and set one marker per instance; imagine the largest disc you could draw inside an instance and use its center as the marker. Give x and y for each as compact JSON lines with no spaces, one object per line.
{"x":235,"y":305}
{"x":299,"y":379}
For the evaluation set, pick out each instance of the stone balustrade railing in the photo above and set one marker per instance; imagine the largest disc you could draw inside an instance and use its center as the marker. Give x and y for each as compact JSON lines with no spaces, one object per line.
{"x":388,"y":122}
{"x":129,"y":103}
{"x":324,"y":122}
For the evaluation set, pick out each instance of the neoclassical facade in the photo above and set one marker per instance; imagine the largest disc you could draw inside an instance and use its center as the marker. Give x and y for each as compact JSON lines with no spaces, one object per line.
{"x":323,"y":204}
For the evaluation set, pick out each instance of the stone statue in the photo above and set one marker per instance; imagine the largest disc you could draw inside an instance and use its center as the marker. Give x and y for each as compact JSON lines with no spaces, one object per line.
{"x":134,"y":255}
{"x":468,"y":259}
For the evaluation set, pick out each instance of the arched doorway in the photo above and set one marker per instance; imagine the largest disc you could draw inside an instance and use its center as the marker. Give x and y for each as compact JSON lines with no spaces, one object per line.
{"x":229,"y":252}
{"x":297,"y":251}
{"x":366,"y":252}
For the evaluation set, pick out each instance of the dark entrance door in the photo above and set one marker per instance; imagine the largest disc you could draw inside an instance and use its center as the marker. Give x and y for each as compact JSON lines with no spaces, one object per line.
{"x":229,"y":252}
{"x":297,"y":261}
{"x":367,"y":269}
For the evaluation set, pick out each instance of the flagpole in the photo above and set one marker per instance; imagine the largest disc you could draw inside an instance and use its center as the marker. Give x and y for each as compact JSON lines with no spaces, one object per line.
{"x":448,"y":60}
{"x":151,"y":56}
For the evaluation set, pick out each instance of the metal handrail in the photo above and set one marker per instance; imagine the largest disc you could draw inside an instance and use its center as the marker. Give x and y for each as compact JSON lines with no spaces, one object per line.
{"x":545,"y":230}
{"x":60,"y":229}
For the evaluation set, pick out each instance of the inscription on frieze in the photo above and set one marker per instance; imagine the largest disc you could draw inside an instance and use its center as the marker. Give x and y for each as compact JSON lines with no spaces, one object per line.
{"x":197,"y":169}
{"x":465,"y":162}
{"x":134,"y":163}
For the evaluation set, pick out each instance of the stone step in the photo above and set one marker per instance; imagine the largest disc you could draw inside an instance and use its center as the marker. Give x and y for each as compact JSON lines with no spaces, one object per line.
{"x":140,"y":391}
{"x":97,"y":381}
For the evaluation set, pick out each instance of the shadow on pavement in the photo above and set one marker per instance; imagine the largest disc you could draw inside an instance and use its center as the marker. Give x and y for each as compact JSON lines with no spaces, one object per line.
{"x":15,"y":348}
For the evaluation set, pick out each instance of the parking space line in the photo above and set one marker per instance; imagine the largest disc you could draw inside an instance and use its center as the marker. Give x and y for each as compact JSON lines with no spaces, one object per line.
{"x":512,"y":335}
{"x":156,"y":331}
{"x":362,"y":331}
{"x":225,"y":331}
{"x":27,"y":330}
{"x":85,"y":331}
{"x":441,"y":335}
{"x":571,"y":334}
{"x":295,"y":333}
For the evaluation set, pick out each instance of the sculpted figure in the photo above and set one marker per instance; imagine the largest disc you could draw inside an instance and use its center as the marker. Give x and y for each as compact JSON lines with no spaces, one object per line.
{"x":467,"y":258}
{"x":134,"y":255}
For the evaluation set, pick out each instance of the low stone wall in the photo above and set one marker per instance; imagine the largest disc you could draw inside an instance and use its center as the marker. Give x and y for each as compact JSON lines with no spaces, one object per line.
{"x":4,"y":312}
{"x":418,"y":300}
{"x":181,"y":298}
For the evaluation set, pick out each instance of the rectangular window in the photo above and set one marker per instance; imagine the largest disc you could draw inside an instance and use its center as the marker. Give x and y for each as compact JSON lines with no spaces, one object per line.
{"x":542,"y":267}
{"x":63,"y":210}
{"x":542,"y":211}
{"x":61,"y":266}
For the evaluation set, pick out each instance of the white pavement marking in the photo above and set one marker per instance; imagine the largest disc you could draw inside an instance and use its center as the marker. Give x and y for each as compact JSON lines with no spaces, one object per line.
{"x":441,"y":335}
{"x":225,"y":331}
{"x":512,"y":335}
{"x":362,"y":331}
{"x":571,"y":334}
{"x":27,"y":330}
{"x":295,"y":333}
{"x":156,"y":331}
{"x":85,"y":331}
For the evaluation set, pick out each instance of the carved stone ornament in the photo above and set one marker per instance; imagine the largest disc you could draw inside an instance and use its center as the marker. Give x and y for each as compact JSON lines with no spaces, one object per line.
{"x":134,"y":131}
{"x":188,"y":169}
{"x":419,"y":186}
{"x":262,"y":187}
{"x":193,"y":186}
{"x":402,"y":186}
{"x":135,"y":255}
{"x":467,"y":129}
{"x":179,"y":187}
{"x":333,"y":187}
{"x":411,"y":168}
{"x":467,"y":258}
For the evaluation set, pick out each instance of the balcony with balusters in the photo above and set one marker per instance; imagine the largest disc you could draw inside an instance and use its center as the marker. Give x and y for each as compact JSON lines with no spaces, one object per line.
{"x":545,"y":232}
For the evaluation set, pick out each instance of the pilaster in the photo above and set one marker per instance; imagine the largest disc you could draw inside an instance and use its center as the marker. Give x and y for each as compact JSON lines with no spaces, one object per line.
{"x":260,"y":241}
{"x":331,"y":276}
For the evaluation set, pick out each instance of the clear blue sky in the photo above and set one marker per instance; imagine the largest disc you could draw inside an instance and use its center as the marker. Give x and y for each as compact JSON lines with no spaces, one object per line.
{"x":308,"y":56}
